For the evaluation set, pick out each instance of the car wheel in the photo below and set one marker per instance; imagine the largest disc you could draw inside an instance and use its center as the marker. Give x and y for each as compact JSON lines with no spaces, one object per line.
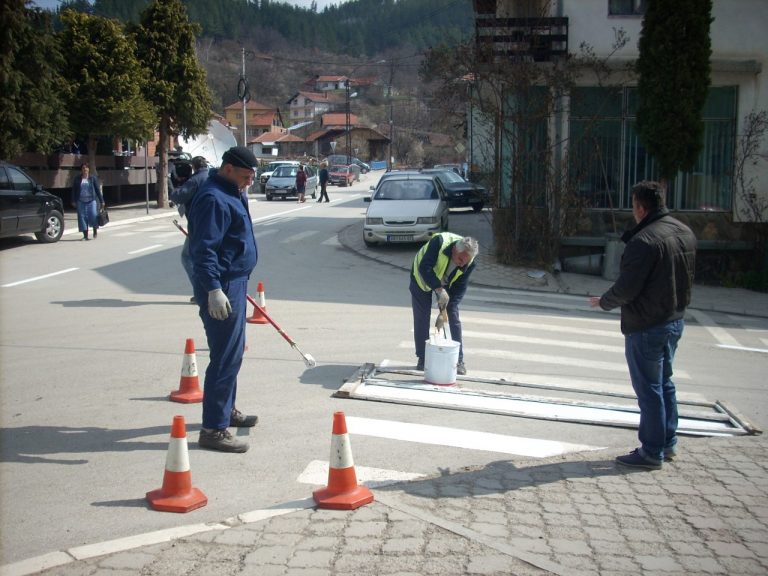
{"x":269,"y":197}
{"x":477,"y":207}
{"x":52,"y":229}
{"x":369,"y":243}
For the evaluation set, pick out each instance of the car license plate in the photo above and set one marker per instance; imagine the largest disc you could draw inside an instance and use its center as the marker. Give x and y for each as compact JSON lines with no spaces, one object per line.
{"x":400,"y":238}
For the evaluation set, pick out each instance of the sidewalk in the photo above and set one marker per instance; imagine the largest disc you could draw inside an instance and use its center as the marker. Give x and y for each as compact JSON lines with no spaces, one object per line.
{"x":704,"y":513}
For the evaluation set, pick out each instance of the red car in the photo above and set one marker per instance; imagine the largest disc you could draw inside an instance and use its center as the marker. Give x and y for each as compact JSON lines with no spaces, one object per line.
{"x":341,"y":175}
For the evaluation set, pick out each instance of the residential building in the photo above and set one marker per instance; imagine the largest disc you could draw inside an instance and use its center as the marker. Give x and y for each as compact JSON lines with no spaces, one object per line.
{"x":307,"y":105}
{"x":260,"y":118}
{"x":592,"y":129}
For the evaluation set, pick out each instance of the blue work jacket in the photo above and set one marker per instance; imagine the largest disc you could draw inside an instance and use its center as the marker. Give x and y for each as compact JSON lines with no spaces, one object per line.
{"x":221,"y":241}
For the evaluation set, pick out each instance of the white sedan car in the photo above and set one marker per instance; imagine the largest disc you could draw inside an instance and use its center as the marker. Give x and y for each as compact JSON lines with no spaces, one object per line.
{"x":405,"y":208}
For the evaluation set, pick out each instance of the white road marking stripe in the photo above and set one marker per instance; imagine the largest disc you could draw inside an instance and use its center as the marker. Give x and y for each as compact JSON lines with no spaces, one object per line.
{"x":299,"y":236}
{"x":316,"y":473}
{"x":538,"y":303}
{"x":145,"y":249}
{"x":549,"y":359}
{"x":332,"y":241}
{"x":43,"y":277}
{"x":278,"y":214}
{"x":764,"y":341}
{"x":719,"y":334}
{"x":744,"y":348}
{"x":153,"y":229}
{"x":167,"y":235}
{"x":528,"y":294}
{"x":542,"y":341}
{"x":459,"y":438}
{"x":262,"y":233}
{"x":544,"y":327}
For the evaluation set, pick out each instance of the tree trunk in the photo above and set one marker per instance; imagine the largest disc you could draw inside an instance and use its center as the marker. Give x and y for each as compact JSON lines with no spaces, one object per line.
{"x":162,"y":166}
{"x":92,"y":154}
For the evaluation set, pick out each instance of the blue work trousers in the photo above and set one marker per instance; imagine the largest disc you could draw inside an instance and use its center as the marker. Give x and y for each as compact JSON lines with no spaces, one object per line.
{"x":650,"y":354}
{"x":186,"y":261}
{"x":226,"y":343}
{"x":421,"y":304}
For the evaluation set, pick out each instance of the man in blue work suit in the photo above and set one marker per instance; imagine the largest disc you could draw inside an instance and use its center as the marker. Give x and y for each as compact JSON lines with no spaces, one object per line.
{"x":442,"y":265}
{"x":224,"y":252}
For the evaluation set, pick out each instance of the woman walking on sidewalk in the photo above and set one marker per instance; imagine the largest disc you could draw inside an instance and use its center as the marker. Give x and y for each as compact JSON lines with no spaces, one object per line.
{"x":87,"y":198}
{"x":301,"y":182}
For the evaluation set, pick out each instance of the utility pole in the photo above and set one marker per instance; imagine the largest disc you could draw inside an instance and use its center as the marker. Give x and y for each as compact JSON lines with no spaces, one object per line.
{"x":244,"y":93}
{"x":390,"y":160}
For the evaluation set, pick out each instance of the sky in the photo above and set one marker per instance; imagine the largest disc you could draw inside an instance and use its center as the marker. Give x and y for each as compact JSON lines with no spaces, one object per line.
{"x":51,"y":4}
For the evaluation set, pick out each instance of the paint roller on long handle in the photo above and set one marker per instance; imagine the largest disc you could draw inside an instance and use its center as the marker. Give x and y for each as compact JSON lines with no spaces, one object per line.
{"x":308,"y":359}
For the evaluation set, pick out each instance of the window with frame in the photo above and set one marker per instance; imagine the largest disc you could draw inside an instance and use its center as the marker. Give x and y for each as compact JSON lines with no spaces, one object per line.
{"x":606,"y":156}
{"x":626,"y":7}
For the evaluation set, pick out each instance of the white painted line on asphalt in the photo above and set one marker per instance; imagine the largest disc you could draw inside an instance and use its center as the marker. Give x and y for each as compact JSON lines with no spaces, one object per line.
{"x":578,"y":300}
{"x":36,"y":564}
{"x":719,"y":334}
{"x":153,"y":229}
{"x":262,"y":233}
{"x":542,"y":341}
{"x":459,"y":438}
{"x":167,"y":234}
{"x":299,"y":236}
{"x":129,"y":542}
{"x":145,"y":249}
{"x":535,"y":301}
{"x":316,"y":473}
{"x":332,"y":241}
{"x":278,"y":510}
{"x":559,"y":328}
{"x":43,"y":277}
{"x":764,"y":341}
{"x":278,"y":214}
{"x":744,"y":348}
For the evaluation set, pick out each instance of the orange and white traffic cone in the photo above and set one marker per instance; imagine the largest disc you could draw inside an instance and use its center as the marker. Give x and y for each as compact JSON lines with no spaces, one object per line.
{"x":342,"y":492}
{"x":258,"y":317}
{"x":177,"y":493}
{"x":189,"y":387}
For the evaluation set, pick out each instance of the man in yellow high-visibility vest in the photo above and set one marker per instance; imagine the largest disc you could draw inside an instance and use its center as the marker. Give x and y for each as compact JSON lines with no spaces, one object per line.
{"x":443,"y":266}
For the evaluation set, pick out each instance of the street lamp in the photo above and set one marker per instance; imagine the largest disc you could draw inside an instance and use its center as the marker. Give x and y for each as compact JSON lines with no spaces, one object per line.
{"x":348,"y":127}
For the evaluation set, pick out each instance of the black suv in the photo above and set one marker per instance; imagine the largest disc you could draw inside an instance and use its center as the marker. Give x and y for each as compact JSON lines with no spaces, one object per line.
{"x":26,"y":208}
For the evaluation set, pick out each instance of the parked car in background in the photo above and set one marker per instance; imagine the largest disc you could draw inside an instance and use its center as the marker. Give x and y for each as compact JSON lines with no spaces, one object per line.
{"x":270,"y":168}
{"x":405,"y":207}
{"x":341,"y":175}
{"x":460,"y":193}
{"x":26,"y":208}
{"x":343,"y":160}
{"x":282,"y":182}
{"x":454,"y":167}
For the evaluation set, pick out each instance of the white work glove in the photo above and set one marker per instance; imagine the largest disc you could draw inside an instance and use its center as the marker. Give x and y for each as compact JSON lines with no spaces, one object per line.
{"x":219,"y":307}
{"x":442,"y":319}
{"x":442,"y":297}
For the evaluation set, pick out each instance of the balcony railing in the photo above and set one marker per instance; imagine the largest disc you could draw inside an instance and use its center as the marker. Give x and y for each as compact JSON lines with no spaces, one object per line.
{"x":521,"y":39}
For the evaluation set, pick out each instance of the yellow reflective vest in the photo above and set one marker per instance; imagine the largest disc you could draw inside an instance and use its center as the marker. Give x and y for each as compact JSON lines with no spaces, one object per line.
{"x":443,"y":260}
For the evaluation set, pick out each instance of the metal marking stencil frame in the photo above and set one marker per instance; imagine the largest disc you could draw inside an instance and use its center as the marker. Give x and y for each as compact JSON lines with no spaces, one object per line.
{"x":394,"y":384}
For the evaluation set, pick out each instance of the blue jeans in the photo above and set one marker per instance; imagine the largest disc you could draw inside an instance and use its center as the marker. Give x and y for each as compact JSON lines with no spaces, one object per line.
{"x":226,"y":343}
{"x":421,"y":304}
{"x":650,"y":354}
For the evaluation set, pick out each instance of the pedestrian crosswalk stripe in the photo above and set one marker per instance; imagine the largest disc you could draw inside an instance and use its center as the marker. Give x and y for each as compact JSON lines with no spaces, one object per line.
{"x":461,"y":438}
{"x":299,"y":236}
{"x":316,"y":473}
{"x":262,"y":233}
{"x":536,"y":303}
{"x":539,"y":326}
{"x":719,"y":334}
{"x":581,"y":300}
{"x":165,"y":234}
{"x":332,"y":241}
{"x":542,"y":341}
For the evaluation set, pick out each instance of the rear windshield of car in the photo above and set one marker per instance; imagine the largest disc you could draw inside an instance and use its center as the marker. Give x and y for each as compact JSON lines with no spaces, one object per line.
{"x":285,"y":171}
{"x":449,"y":176}
{"x":406,"y":190}
{"x":339,"y":168}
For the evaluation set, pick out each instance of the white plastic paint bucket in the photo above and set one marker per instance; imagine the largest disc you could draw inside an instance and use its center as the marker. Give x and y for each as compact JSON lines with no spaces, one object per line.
{"x":440,"y":360}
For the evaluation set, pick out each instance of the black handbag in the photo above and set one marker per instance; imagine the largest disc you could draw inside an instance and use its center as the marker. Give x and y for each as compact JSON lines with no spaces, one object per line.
{"x":103,"y":217}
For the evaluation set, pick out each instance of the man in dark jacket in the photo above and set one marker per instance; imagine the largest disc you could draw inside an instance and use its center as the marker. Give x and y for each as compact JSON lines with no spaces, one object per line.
{"x":443,"y":266}
{"x":653,"y":290}
{"x":224,"y":253}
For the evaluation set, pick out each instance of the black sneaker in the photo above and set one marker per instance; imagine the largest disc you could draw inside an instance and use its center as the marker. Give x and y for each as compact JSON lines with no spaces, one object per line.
{"x":636,"y":460}
{"x":240,"y":420}
{"x":221,"y":440}
{"x":420,"y":364}
{"x":461,"y":370}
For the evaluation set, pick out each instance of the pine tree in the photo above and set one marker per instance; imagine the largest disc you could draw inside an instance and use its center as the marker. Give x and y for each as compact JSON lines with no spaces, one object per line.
{"x":177,"y":88}
{"x":33,"y":116}
{"x":105,"y":80}
{"x":674,"y":76}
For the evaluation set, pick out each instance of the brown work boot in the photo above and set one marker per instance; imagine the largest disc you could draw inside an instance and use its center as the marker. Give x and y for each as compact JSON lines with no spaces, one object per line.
{"x":240,"y":420}
{"x":221,"y":440}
